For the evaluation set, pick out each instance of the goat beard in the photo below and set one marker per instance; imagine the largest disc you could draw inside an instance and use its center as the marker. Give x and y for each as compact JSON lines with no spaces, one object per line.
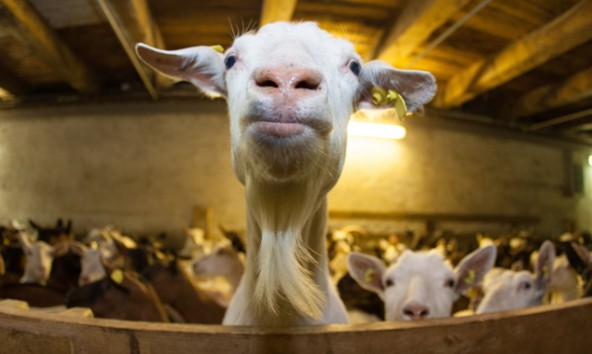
{"x":284,"y":278}
{"x":284,"y":265}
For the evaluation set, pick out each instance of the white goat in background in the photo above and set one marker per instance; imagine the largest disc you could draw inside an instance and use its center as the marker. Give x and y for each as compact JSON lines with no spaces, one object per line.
{"x":290,"y":88}
{"x":39,"y":258}
{"x":420,"y":284}
{"x":506,"y":289}
{"x":92,"y":268}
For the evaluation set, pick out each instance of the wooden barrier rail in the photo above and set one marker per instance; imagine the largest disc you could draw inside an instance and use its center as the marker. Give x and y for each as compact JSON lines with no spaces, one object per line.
{"x":561,"y":328}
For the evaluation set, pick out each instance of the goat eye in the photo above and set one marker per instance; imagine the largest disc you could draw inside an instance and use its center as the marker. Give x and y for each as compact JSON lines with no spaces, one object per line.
{"x":525,"y":285}
{"x":355,"y":67}
{"x":230,"y":61}
{"x":450,"y":283}
{"x":389,"y":283}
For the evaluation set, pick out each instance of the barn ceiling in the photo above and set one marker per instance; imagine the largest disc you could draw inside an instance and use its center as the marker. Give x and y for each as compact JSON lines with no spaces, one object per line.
{"x":523,"y":64}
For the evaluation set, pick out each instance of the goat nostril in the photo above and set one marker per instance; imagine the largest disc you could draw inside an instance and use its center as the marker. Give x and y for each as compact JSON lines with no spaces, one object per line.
{"x":267,"y":83}
{"x":416,"y":312}
{"x":307,"y":85}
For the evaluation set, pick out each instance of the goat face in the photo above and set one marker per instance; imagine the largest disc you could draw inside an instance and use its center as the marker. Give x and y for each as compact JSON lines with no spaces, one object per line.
{"x":291,"y":91}
{"x":291,"y":88}
{"x":509,"y":290}
{"x":420,"y":285}
{"x":417,"y":286}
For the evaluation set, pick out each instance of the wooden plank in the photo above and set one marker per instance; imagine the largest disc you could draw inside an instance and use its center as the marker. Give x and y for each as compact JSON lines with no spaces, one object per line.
{"x":276,"y":10}
{"x":42,"y":36}
{"x":152,"y":36}
{"x":565,"y":32}
{"x":560,"y":328}
{"x":575,"y":88}
{"x":417,"y":21}
{"x":132,"y":23}
{"x":341,"y":11}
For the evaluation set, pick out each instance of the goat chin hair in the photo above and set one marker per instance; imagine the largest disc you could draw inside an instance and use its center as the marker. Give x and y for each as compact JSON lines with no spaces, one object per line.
{"x":283,"y":276}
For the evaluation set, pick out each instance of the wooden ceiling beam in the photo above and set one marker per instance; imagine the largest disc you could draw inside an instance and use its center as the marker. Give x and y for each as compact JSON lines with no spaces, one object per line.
{"x":276,"y":10}
{"x":575,"y":88}
{"x":413,"y":26}
{"x":38,"y":32}
{"x":132,"y":22}
{"x":565,"y":32}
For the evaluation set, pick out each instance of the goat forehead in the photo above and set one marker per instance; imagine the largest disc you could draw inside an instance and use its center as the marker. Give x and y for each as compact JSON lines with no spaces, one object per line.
{"x":506,"y":279}
{"x":428,"y":265}
{"x":305,"y":39}
{"x":522,"y":276}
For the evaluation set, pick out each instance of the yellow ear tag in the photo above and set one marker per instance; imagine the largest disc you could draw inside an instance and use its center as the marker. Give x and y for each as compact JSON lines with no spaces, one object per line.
{"x":473,"y":293}
{"x":117,"y":276}
{"x":546,"y":271}
{"x":378,"y":96}
{"x":218,"y":48}
{"x":470,"y":279}
{"x":369,"y":275}
{"x":381,"y":97}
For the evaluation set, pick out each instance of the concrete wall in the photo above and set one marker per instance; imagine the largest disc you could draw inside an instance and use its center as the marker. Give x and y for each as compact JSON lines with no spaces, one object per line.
{"x":144,"y":167}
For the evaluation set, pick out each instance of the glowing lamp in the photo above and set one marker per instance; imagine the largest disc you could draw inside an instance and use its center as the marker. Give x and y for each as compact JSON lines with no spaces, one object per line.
{"x":376,"y":130}
{"x":382,"y":124}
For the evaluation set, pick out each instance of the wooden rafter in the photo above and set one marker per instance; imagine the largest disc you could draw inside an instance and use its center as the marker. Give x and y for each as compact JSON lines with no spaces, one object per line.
{"x":416,"y":22}
{"x":33,"y":27}
{"x":576,"y":87}
{"x":565,"y":32}
{"x":276,"y":10}
{"x":132,"y":22}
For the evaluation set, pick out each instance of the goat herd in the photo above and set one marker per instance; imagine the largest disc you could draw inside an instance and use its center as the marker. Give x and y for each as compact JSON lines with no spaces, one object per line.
{"x":396,"y":278}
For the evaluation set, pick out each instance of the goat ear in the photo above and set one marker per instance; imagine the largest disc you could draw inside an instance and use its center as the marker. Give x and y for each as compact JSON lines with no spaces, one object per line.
{"x":24,"y":240}
{"x":417,"y":87}
{"x":68,"y":228}
{"x":578,"y":257}
{"x":473,"y":267}
{"x":544,"y":264}
{"x":34,"y":225}
{"x":367,"y":271}
{"x":202,"y":66}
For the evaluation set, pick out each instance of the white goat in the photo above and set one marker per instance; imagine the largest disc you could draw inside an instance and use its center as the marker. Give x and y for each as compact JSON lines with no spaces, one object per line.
{"x":92,"y":268}
{"x":505,"y":289}
{"x":290,"y":88}
{"x":420,"y":284}
{"x":39,"y":258}
{"x":223,"y":262}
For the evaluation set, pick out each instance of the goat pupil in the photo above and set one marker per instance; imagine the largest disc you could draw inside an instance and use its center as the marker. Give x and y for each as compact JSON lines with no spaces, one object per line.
{"x":389,"y":282}
{"x":230,"y":61}
{"x":355,"y":67}
{"x":450,"y":283}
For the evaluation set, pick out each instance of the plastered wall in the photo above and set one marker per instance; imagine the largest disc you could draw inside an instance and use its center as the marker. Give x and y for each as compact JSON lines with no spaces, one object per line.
{"x":145,"y":166}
